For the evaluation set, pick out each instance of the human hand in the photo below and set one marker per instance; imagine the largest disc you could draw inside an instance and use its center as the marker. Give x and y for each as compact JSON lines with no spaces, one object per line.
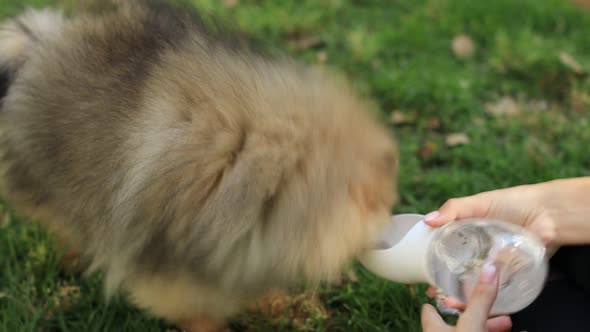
{"x":522,"y":205}
{"x":475,"y":317}
{"x":555,"y":211}
{"x":519,"y":205}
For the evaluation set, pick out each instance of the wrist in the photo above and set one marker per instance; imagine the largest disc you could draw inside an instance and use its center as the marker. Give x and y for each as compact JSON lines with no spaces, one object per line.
{"x":565,"y":209}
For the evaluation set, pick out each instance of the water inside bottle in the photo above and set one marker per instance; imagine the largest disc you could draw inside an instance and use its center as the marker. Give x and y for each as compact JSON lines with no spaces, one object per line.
{"x":459,"y":250}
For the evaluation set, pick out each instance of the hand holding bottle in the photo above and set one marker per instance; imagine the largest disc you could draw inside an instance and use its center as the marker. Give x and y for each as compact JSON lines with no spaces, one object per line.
{"x":557,"y":212}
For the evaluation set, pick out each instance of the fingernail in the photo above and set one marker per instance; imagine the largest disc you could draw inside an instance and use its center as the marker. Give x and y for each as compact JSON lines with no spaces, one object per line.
{"x":488,"y":273}
{"x":431,"y":293}
{"x":431,"y":216}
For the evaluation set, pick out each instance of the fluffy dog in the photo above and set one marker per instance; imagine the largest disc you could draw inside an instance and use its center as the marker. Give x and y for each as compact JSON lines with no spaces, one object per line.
{"x":193,"y":172}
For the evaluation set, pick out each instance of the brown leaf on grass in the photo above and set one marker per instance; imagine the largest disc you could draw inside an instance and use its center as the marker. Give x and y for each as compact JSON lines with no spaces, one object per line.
{"x":3,"y":295}
{"x":426,"y":150}
{"x":300,"y":309}
{"x":307,"y":307}
{"x":322,"y":56}
{"x":504,"y":106}
{"x":457,"y":139}
{"x":401,"y":118}
{"x":434,"y":123}
{"x":397,"y":117}
{"x":230,"y":3}
{"x":463,"y":47}
{"x":582,"y":3}
{"x":568,"y":61}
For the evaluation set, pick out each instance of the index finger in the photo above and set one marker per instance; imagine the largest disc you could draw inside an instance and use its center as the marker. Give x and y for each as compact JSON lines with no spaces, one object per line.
{"x":459,"y":208}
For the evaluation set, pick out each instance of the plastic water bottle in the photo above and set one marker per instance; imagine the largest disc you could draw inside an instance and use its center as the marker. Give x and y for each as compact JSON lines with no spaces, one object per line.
{"x":451,"y":258}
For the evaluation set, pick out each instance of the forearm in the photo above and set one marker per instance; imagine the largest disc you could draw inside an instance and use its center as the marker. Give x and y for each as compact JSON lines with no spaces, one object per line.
{"x":567,"y":203}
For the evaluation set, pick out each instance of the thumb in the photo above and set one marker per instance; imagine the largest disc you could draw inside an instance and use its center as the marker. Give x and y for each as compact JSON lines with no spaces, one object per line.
{"x":459,"y":208}
{"x":481,"y":301}
{"x":432,"y":321}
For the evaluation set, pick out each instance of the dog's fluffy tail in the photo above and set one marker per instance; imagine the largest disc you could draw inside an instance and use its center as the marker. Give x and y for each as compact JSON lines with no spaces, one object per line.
{"x":20,"y":35}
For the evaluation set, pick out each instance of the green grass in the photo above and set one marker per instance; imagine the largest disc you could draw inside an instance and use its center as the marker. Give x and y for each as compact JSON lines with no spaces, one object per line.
{"x":399,"y":52}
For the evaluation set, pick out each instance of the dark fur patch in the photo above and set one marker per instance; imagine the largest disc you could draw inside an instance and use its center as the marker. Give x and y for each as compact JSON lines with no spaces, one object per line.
{"x":5,"y":79}
{"x":214,"y":28}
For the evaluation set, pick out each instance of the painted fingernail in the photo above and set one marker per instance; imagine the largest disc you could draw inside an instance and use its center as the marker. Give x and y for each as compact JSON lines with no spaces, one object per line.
{"x":431,"y":216}
{"x":488,"y":273}
{"x":430,"y":293}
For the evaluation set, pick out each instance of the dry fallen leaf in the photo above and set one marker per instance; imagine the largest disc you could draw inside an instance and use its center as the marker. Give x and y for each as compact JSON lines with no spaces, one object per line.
{"x":434,"y":123}
{"x":426,"y":150}
{"x":400,"y":118}
{"x":322,"y":56}
{"x":463,"y":47}
{"x":230,"y":3}
{"x":301,"y":309}
{"x":397,"y":117}
{"x":582,"y":3}
{"x":504,"y":106}
{"x":568,"y":61}
{"x":457,"y":139}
